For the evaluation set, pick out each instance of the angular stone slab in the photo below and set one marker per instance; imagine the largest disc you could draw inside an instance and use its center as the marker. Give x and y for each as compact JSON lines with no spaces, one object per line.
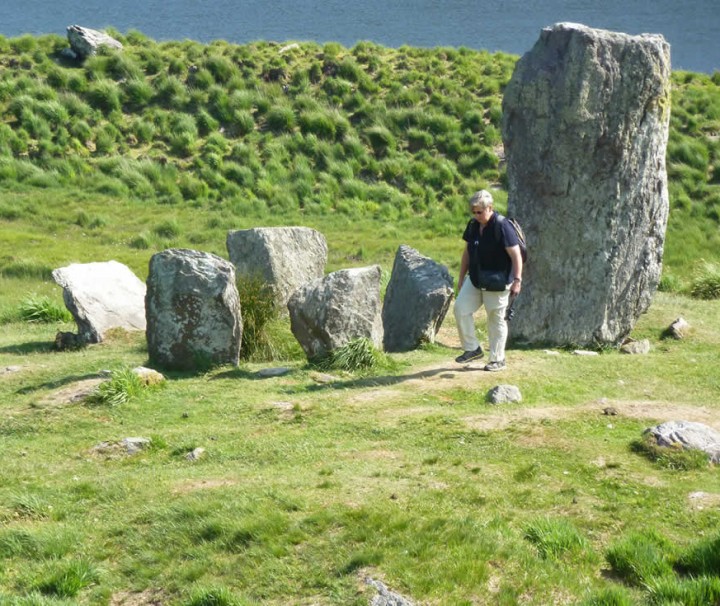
{"x":417,"y":298}
{"x":101,"y":296}
{"x":688,"y":435}
{"x":585,"y":128}
{"x":328,"y":313}
{"x":285,"y":257}
{"x":86,"y":42}
{"x":193,"y":310}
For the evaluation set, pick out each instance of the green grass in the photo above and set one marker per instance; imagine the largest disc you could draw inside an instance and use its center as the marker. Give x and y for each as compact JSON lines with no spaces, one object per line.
{"x":307,"y":486}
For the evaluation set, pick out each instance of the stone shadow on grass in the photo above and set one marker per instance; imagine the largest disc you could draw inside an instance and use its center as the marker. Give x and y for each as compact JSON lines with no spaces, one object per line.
{"x":58,"y":383}
{"x":29,"y":348}
{"x":383,"y":381}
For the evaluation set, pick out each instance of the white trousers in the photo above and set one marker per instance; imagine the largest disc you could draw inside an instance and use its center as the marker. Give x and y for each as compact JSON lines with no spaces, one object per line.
{"x":468,"y":301}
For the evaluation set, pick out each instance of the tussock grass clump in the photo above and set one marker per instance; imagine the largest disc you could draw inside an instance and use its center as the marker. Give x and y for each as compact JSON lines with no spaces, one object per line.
{"x":42,"y":309}
{"x":609,"y":596}
{"x":65,"y":579}
{"x":554,"y":538}
{"x":700,"y":591}
{"x":639,"y":558}
{"x":706,"y":285}
{"x":215,"y":596}
{"x":700,"y":559}
{"x":258,"y":309}
{"x":123,"y":386}
{"x":357,"y":355}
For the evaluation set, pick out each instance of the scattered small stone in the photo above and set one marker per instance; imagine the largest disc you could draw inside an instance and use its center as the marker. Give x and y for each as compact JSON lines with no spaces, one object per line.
{"x":278,"y":371}
{"x":196,"y":454}
{"x":385,"y":597}
{"x":322,"y":377}
{"x":631,"y":346}
{"x":678,"y":329}
{"x":610,"y":411}
{"x":288,"y":47}
{"x":502,"y":394}
{"x":551,"y":352}
{"x":135,"y":445}
{"x":148,"y":376}
{"x":584,"y":352}
{"x":10,"y":369}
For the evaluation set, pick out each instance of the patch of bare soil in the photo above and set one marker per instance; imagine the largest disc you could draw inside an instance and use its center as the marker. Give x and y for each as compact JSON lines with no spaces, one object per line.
{"x":149,"y":597}
{"x":73,"y":393}
{"x":448,"y":374}
{"x":207,"y":484}
{"x":652,"y":412}
{"x":704,"y":500}
{"x":8,"y":370}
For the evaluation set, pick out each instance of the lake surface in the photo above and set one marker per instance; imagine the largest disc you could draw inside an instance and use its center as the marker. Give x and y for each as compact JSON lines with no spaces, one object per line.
{"x":692,"y":27}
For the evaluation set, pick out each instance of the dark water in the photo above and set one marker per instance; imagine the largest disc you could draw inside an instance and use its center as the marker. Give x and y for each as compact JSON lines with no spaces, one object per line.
{"x":692,"y":27}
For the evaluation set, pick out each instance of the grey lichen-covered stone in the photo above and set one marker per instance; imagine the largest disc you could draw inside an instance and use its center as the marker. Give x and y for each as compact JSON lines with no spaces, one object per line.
{"x":585,"y":129}
{"x":101,"y":296}
{"x":631,"y":346}
{"x":148,"y":376}
{"x":417,"y":298}
{"x":196,"y":454}
{"x":386,"y":597}
{"x":328,"y":313}
{"x":679,"y":329}
{"x":688,"y":435}
{"x":86,"y":42}
{"x":504,"y":394}
{"x":285,"y":257}
{"x":193,"y":310}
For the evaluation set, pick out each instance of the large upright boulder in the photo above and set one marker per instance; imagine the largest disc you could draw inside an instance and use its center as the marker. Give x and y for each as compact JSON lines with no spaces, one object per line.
{"x":585,"y":128}
{"x":101,"y":296}
{"x":285,"y":257}
{"x":417,"y":298}
{"x":193,"y":310}
{"x":329,"y":312}
{"x":86,"y":42}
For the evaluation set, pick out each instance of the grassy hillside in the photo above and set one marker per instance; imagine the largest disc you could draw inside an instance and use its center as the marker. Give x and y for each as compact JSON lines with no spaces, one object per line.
{"x":175,"y":142}
{"x":314,"y":481}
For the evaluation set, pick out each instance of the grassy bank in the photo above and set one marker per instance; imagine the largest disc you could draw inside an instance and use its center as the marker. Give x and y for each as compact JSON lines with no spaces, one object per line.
{"x":176,"y":142}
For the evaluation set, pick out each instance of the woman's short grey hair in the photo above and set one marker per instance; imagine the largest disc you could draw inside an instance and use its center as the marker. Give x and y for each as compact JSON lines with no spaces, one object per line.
{"x":481,"y":199}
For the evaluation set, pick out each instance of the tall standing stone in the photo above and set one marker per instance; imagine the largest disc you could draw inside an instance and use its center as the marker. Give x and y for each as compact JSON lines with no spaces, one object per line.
{"x":585,"y":127}
{"x":193,"y":310}
{"x":416,"y":301}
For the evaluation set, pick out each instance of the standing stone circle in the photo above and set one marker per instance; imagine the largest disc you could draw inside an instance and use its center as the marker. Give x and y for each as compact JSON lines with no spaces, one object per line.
{"x":417,"y":298}
{"x":328,"y":313}
{"x":285,"y":257}
{"x":193,"y":310}
{"x":101,"y":296}
{"x":585,"y":128}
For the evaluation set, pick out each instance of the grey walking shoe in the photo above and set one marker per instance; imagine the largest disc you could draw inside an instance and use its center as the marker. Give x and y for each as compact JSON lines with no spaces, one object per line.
{"x":495,"y":366}
{"x":469,"y":356}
